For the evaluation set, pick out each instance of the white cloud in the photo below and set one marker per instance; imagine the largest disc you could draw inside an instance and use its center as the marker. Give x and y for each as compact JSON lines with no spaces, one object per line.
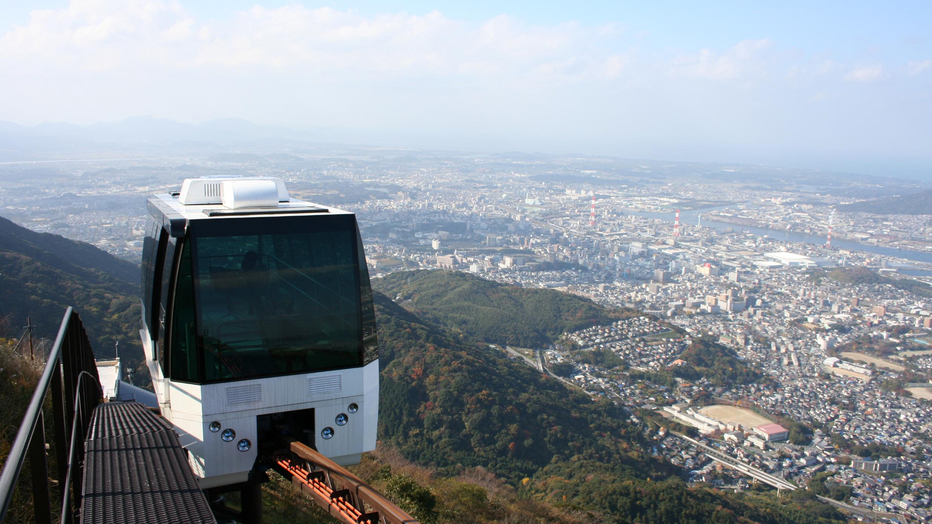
{"x":615,"y":65}
{"x":864,"y":74}
{"x":180,"y":30}
{"x":97,"y":35}
{"x":742,"y":60}
{"x":917,"y":66}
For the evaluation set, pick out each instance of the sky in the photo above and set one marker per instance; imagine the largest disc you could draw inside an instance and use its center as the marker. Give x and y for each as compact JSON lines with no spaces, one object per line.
{"x":845,"y":86}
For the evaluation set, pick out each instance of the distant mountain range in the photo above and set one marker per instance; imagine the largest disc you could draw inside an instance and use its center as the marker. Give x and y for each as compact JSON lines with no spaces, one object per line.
{"x":913,"y":204}
{"x":136,"y":135}
{"x":148,"y":129}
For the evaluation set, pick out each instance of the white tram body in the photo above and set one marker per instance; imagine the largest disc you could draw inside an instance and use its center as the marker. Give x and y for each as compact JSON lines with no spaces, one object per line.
{"x":258,"y":321}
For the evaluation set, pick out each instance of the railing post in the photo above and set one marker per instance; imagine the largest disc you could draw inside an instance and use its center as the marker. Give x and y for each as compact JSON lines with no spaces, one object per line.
{"x":41,"y":501}
{"x":61,"y":437}
{"x":70,"y":377}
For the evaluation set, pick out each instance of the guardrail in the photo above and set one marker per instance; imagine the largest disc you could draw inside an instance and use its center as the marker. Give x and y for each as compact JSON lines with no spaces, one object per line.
{"x":71,"y":376}
{"x":344,"y":495}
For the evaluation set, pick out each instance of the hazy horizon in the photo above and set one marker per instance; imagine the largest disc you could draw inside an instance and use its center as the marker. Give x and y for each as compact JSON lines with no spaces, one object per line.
{"x":845,"y":87}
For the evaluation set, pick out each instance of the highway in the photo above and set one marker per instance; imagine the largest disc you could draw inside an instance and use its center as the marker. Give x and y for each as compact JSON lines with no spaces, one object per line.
{"x":718,"y":456}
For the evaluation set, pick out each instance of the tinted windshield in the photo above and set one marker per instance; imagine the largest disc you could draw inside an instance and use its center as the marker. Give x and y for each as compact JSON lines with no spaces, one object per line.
{"x":282,"y":301}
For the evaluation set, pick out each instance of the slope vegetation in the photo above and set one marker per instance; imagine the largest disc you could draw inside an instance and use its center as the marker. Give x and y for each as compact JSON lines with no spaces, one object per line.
{"x":78,"y":259}
{"x":448,"y":400}
{"x":718,"y":364}
{"x":493,"y":312}
{"x":42,"y":274}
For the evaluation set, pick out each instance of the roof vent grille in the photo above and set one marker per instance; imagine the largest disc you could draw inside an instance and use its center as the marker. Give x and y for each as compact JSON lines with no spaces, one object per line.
{"x":241,"y":192}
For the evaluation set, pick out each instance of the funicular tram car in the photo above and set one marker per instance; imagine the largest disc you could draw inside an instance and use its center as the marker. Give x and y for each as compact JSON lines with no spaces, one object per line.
{"x":258,"y":322}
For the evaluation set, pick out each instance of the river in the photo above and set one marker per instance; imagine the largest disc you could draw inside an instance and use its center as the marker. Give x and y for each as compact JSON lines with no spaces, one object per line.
{"x":691,"y":217}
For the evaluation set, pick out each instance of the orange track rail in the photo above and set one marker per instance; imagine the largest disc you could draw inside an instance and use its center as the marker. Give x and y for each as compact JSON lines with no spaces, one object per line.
{"x":317,"y":476}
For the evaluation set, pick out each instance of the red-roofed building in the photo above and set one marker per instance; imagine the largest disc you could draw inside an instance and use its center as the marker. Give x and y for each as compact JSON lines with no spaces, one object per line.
{"x":773,"y":432}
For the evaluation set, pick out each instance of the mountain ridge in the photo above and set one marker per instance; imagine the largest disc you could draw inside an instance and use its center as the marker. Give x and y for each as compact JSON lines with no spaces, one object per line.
{"x":911,"y":204}
{"x":82,"y":260}
{"x":494,"y":312}
{"x":146,"y":128}
{"x":41,"y":274}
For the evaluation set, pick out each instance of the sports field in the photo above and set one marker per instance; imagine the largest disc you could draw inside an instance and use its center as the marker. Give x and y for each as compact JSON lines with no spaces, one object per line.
{"x":732,"y":415}
{"x":847,"y":373}
{"x":872,"y":360}
{"x":921,"y":392}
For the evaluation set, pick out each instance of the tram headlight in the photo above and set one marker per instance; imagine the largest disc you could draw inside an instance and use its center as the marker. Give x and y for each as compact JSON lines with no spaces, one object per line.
{"x":244,"y":445}
{"x":352,"y":408}
{"x":341,"y":419}
{"x":326,"y":433}
{"x":214,"y":426}
{"x":228,"y":435}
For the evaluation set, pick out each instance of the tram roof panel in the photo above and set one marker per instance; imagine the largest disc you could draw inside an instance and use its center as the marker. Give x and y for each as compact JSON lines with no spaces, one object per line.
{"x":228,"y":197}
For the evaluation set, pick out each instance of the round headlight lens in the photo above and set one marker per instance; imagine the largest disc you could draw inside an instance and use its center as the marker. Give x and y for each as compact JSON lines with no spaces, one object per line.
{"x":352,"y":408}
{"x":327,"y":433}
{"x":214,"y":426}
{"x":228,"y":435}
{"x":342,"y":419}
{"x":243,"y":445}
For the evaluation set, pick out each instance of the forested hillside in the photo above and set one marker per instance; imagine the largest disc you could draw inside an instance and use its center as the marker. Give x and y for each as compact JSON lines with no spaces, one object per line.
{"x":718,"y":364}
{"x":42,"y":274}
{"x":450,"y":402}
{"x":74,"y":258}
{"x":493,"y":312}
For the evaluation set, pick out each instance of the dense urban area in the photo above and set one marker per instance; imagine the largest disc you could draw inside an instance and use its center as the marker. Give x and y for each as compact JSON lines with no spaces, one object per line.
{"x":829,"y":310}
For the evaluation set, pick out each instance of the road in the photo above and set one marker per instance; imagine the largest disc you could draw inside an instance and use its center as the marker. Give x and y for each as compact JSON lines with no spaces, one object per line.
{"x":514,"y":353}
{"x":747,"y":469}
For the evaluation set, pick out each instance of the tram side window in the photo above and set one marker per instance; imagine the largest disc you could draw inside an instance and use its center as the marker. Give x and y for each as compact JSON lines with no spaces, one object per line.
{"x":153,"y":248}
{"x":370,"y":338}
{"x":164,"y":279}
{"x":183,"y":333}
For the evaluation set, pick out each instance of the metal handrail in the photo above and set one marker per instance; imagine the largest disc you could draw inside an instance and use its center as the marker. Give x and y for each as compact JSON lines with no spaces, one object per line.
{"x":70,"y":359}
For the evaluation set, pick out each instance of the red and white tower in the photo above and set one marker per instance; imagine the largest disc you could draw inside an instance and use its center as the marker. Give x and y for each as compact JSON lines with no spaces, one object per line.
{"x":831,"y":218}
{"x":676,"y":225}
{"x":592,"y":214}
